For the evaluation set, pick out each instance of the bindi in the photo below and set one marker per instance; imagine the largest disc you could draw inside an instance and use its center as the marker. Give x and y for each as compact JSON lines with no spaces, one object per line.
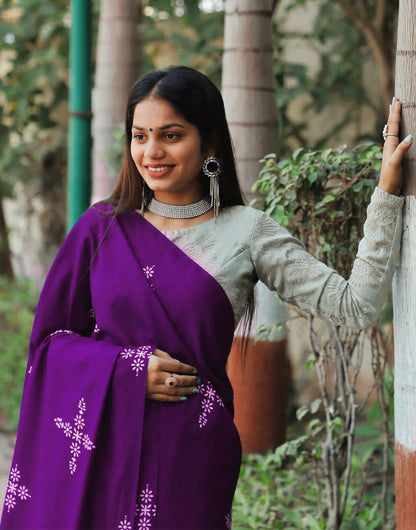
{"x":151,"y":129}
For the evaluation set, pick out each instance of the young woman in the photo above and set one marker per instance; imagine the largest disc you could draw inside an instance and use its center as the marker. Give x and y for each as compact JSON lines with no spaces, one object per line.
{"x":127,"y":410}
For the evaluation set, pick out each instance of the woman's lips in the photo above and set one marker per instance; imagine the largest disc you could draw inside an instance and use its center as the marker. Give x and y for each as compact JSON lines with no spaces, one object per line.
{"x":158,"y":171}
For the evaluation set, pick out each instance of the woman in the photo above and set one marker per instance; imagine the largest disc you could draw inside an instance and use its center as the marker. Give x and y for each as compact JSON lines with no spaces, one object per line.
{"x":127,"y":410}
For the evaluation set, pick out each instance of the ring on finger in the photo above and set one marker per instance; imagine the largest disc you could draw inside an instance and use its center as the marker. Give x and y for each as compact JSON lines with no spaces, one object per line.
{"x":171,"y":381}
{"x":387,"y":133}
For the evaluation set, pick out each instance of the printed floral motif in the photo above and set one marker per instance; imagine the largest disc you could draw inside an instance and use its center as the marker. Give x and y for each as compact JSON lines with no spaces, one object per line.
{"x":149,"y":271}
{"x":145,"y":509}
{"x":124,"y":525}
{"x":76,"y":433}
{"x":96,"y":329}
{"x":228,"y":521}
{"x":138,"y":357}
{"x":15,"y":490}
{"x":61,"y":332}
{"x":209,"y":400}
{"x":29,"y":371}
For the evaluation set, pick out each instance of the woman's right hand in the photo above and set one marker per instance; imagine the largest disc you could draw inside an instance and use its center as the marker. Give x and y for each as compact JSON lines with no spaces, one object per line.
{"x":161,"y":367}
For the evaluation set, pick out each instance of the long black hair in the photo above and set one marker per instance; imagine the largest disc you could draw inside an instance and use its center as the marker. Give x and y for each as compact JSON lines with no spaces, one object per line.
{"x":199,"y":101}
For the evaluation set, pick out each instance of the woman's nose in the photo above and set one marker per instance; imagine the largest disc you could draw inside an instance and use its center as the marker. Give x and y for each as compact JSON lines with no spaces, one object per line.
{"x":154,"y":148}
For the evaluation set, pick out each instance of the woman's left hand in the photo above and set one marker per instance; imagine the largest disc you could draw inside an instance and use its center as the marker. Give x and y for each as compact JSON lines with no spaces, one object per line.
{"x":391,"y":178}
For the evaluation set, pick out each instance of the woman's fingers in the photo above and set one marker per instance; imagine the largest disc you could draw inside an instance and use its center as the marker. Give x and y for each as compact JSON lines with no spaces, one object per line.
{"x":166,"y":398}
{"x":170,"y":380}
{"x":393,"y":152}
{"x":393,"y":123}
{"x":169,"y":364}
{"x":400,"y":150}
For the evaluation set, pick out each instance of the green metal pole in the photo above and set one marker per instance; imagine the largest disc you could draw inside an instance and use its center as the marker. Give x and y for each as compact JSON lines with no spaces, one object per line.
{"x":79,"y":148}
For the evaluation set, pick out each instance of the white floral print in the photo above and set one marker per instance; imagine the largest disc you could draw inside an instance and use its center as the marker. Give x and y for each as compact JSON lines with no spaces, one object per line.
{"x":138,"y":356}
{"x":75,"y":432}
{"x":149,"y":271}
{"x":124,"y":524}
{"x":145,"y":509}
{"x":15,"y":490}
{"x":61,"y":332}
{"x":209,"y":400}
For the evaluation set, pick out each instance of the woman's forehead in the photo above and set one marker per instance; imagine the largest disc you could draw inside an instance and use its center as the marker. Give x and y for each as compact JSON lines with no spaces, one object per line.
{"x":156,"y":109}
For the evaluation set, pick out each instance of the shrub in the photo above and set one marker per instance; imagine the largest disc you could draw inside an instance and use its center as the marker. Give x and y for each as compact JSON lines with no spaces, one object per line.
{"x":17,"y":307}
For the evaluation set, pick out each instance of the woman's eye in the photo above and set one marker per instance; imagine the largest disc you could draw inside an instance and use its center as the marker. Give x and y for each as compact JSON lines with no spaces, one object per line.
{"x":171,"y":136}
{"x":139,"y":137}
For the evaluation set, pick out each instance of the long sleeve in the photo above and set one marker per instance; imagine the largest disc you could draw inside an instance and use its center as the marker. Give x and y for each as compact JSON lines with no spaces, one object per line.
{"x":286,"y":267}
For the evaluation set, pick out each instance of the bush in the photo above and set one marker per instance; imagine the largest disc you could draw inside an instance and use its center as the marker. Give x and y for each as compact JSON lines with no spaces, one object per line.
{"x":273,"y":493}
{"x":333,"y":475}
{"x":17,"y":307}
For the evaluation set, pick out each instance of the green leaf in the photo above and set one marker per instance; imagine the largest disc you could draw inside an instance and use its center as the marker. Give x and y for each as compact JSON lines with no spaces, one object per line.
{"x":315,"y":405}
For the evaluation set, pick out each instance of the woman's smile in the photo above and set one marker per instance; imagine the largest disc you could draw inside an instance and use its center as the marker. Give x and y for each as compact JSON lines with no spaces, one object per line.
{"x":155,"y":171}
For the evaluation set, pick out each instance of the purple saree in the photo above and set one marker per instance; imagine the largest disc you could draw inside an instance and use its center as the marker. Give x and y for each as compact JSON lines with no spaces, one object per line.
{"x":91,"y":451}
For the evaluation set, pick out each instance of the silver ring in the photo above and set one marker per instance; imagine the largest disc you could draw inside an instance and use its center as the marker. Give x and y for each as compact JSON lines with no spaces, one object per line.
{"x":386,"y":132}
{"x":171,"y":381}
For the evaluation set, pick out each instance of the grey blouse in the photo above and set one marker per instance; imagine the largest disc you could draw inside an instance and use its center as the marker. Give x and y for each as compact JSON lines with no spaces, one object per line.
{"x":243,"y":245}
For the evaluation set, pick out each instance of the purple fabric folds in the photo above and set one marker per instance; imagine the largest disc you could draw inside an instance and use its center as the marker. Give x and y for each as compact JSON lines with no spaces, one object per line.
{"x":91,"y":451}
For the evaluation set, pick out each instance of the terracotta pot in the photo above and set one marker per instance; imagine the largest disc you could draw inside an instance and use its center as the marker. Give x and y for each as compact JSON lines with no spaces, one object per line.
{"x":260,"y":380}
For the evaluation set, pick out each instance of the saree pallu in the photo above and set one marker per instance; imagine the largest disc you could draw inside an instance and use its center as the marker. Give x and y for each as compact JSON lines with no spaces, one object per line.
{"x":92,"y":452}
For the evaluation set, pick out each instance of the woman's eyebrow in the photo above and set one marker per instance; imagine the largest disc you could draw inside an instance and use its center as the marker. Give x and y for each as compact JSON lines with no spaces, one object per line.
{"x":167,"y":126}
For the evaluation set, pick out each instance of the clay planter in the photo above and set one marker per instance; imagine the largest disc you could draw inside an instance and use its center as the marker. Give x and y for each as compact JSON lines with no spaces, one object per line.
{"x":260,"y":381}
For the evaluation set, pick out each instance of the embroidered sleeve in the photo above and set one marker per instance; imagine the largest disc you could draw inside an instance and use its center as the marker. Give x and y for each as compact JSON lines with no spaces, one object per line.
{"x":285,"y":266}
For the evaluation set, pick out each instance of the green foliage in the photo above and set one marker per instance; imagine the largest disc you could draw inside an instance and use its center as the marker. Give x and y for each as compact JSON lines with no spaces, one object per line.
{"x":343,"y":58}
{"x":282,"y":489}
{"x":322,"y":197}
{"x":194,"y":37}
{"x":33,"y":108}
{"x":17,"y":307}
{"x":34,"y":46}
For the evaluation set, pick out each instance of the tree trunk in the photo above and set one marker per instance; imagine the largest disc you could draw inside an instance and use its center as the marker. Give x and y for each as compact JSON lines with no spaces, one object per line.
{"x":249,"y":93}
{"x":5,"y":260}
{"x":404,"y":286}
{"x":248,"y":85}
{"x":117,"y":67}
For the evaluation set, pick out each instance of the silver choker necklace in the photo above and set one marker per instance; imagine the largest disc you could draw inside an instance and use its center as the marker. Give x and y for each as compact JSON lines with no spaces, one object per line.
{"x":179,"y":211}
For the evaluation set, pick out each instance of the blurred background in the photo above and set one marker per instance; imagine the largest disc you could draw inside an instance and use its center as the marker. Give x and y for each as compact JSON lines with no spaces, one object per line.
{"x":332,"y":64}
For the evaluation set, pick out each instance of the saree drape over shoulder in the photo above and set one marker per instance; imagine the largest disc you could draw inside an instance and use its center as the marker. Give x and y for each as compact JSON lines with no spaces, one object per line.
{"x":92,"y":452}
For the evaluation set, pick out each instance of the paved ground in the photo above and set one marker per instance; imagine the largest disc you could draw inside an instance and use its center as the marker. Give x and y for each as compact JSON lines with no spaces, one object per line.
{"x":6,"y":451}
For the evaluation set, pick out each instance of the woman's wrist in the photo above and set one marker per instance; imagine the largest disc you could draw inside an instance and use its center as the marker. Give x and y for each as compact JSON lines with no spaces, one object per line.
{"x":390,"y":188}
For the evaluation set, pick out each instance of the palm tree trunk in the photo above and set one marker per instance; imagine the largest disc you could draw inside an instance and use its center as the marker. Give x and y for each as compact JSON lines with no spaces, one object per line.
{"x":404,"y":286}
{"x":117,"y":67}
{"x":248,"y":85}
{"x":249,"y":93}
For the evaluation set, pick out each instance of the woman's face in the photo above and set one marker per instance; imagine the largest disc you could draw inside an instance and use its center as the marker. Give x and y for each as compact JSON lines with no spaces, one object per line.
{"x":167,"y":151}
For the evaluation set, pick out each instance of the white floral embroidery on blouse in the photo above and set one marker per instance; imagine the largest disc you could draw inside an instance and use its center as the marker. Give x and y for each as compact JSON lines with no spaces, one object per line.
{"x":243,"y":245}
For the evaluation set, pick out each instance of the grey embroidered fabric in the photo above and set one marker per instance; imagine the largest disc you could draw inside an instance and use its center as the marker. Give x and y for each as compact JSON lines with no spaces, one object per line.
{"x":243,"y":245}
